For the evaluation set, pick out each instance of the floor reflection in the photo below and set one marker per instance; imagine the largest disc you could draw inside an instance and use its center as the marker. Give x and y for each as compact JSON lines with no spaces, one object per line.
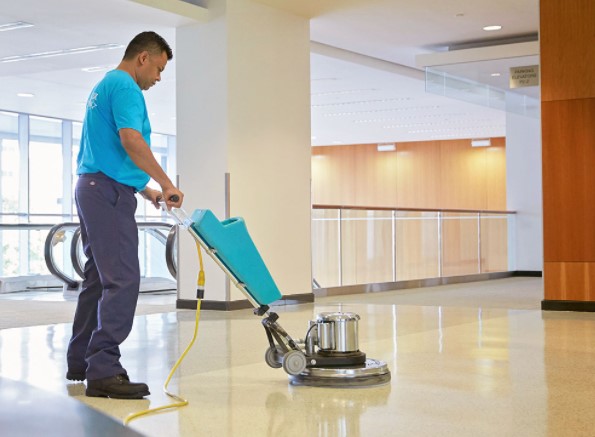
{"x":456,"y":371}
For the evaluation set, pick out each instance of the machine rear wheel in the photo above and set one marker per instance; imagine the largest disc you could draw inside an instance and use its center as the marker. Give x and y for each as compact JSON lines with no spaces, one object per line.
{"x":272,"y":355}
{"x":294,"y":362}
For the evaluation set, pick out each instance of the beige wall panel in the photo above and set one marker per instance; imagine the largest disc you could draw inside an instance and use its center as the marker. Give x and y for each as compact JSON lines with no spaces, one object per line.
{"x":375,"y":176}
{"x":429,"y":174}
{"x":567,"y":49}
{"x":495,"y":174}
{"x":462,"y":179}
{"x":321,"y":190}
{"x":418,"y":175}
{"x":569,"y":281}
{"x":333,"y":175}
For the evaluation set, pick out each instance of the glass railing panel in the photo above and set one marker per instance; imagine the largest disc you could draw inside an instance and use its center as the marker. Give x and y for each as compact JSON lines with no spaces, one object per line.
{"x":366,"y":246}
{"x":19,"y":259}
{"x":152,"y":244}
{"x":9,"y":255}
{"x":37,"y":264}
{"x":494,"y":242}
{"x":417,"y":245}
{"x":326,"y":270}
{"x":151,"y":253}
{"x":460,"y":244}
{"x":456,"y":87}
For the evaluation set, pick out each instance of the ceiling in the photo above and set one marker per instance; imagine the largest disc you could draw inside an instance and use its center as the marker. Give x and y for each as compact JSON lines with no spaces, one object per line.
{"x":366,"y":86}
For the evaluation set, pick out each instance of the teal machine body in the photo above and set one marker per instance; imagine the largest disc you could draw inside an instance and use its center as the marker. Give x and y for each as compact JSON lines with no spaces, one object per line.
{"x":234,"y":248}
{"x":329,"y":356}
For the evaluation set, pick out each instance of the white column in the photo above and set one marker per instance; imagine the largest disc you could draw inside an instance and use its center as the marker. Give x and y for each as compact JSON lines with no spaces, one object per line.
{"x":243,"y":109}
{"x":523,"y":188}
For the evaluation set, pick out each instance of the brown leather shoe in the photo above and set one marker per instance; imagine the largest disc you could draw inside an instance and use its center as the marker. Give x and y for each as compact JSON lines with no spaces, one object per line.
{"x":117,"y":387}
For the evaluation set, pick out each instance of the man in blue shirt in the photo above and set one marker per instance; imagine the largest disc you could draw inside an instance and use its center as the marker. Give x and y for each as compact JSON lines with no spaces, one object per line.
{"x":114,"y":162}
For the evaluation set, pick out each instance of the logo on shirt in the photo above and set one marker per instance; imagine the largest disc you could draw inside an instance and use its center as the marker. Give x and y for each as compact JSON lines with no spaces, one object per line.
{"x":92,"y":103}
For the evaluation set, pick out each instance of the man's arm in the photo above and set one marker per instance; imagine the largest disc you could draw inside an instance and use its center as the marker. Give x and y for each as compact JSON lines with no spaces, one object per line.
{"x":153,"y":196}
{"x":137,"y":148}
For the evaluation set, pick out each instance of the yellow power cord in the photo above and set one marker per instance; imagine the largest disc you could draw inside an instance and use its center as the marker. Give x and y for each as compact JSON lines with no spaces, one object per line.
{"x":180,"y":402}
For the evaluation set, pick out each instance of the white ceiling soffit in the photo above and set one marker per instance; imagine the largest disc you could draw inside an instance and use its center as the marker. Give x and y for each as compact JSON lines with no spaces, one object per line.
{"x":307,"y":8}
{"x":489,"y":65}
{"x":358,"y":99}
{"x":60,"y":85}
{"x":478,"y":54}
{"x":398,"y":30}
{"x":355,"y":98}
{"x":182,"y":8}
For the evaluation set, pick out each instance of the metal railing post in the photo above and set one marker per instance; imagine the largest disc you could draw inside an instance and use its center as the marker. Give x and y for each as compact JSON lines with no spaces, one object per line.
{"x":440,"y":247}
{"x":340,"y":248}
{"x":394,"y":244}
{"x":479,"y":242}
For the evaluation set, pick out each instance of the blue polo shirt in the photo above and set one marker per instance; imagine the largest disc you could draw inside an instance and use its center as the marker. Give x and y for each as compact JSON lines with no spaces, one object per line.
{"x":116,"y":102}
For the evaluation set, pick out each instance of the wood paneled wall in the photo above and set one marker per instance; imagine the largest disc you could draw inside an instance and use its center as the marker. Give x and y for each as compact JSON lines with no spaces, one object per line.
{"x":432,"y":174}
{"x":568,"y":141}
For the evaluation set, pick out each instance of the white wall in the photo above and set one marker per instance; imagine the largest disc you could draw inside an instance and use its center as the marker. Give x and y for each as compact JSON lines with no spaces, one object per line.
{"x":524,"y":189}
{"x":243,"y":108}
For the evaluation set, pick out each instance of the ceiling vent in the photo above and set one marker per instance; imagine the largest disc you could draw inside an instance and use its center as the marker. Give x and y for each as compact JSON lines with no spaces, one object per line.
{"x":462,"y":45}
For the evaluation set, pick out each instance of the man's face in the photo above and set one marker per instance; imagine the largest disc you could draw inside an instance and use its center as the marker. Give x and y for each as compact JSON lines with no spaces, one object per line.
{"x":150,"y":69}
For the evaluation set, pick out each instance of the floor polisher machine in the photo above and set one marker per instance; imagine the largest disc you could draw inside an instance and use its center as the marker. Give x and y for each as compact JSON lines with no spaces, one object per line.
{"x":328,"y":355}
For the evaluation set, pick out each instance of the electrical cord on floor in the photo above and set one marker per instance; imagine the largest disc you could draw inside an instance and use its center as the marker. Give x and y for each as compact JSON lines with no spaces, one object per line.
{"x":179,"y":401}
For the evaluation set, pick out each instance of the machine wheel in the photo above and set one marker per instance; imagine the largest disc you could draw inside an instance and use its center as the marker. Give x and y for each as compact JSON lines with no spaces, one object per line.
{"x":271,"y":357}
{"x":294,"y":362}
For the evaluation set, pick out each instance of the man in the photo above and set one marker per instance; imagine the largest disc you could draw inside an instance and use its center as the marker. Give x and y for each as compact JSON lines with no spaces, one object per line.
{"x":114,"y":162}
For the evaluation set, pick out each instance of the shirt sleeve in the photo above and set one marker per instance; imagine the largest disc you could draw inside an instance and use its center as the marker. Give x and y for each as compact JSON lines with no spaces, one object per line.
{"x":128,"y":108}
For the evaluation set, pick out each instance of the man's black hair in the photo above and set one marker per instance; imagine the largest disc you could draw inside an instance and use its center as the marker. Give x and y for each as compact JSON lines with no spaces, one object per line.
{"x":148,"y":41}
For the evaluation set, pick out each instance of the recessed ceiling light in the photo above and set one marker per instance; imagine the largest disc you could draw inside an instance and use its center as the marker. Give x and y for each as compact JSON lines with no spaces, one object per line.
{"x":495,"y":74}
{"x":14,"y":26}
{"x":53,"y":53}
{"x":492,"y":28}
{"x":25,"y":95}
{"x":386,"y":147}
{"x":483,"y":142}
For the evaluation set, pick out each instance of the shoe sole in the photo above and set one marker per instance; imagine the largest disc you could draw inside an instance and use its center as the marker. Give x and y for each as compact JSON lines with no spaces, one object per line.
{"x":93,"y":393}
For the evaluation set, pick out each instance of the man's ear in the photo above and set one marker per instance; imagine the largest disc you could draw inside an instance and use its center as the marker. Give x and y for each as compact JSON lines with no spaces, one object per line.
{"x":142,"y":57}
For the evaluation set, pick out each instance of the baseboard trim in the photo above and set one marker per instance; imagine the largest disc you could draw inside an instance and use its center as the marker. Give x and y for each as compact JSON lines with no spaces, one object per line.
{"x":295,"y":299}
{"x":419,"y":283}
{"x":216,"y":305}
{"x":528,"y":273}
{"x":568,"y":305}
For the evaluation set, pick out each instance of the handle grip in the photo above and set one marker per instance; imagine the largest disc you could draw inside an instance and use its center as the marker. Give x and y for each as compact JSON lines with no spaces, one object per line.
{"x":173,"y":198}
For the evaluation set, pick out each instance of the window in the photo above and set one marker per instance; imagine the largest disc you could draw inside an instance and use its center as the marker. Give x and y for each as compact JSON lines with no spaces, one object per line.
{"x":37,"y":180}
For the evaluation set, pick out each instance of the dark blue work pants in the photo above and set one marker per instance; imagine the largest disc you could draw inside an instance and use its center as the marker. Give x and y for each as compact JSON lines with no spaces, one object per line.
{"x":107,"y":302}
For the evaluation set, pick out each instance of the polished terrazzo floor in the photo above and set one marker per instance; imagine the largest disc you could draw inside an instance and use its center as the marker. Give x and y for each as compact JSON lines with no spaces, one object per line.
{"x":472,"y":368}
